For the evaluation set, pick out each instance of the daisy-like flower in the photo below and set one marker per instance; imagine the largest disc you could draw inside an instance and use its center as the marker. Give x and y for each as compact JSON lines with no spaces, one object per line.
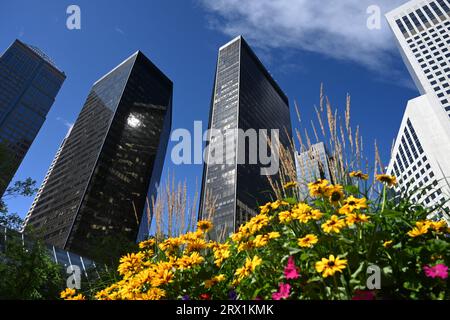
{"x":353,"y":218}
{"x":420,"y":229}
{"x":335,"y":194}
{"x":308,"y":241}
{"x":318,"y":188}
{"x":204,"y":225}
{"x":439,"y":226}
{"x":248,"y":268}
{"x":130,"y":264}
{"x":290,"y":185}
{"x":215,"y":280}
{"x":333,"y":225}
{"x":286,"y":216}
{"x":147,"y":244}
{"x":351,"y":204}
{"x":359,"y":175}
{"x":388,"y":180}
{"x":388,"y":244}
{"x":328,"y":267}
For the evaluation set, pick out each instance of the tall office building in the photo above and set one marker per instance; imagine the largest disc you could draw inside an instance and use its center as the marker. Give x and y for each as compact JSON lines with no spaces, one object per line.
{"x":311,"y":165}
{"x":109,"y":163}
{"x":422,"y":30}
{"x":420,"y":155}
{"x":245,"y":97}
{"x":29,"y":83}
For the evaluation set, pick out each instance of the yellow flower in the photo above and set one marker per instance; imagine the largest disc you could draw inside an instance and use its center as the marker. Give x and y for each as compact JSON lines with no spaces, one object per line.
{"x":351,"y":204}
{"x":153,"y":294}
{"x":67,"y":293}
{"x":265,"y":209}
{"x":261,"y":241}
{"x":305,"y":213}
{"x":161,"y":278}
{"x":328,"y":267}
{"x":77,"y":297}
{"x":274,"y":235}
{"x":244,"y":246}
{"x":353,"y":218}
{"x":221,"y":253}
{"x":171,"y":244}
{"x":308,"y":241}
{"x":196,"y":245}
{"x":187,"y":262}
{"x":291,"y":184}
{"x":335,"y":194}
{"x":387,"y":244}
{"x":275,"y":205}
{"x":359,"y":175}
{"x":388,"y":180}
{"x":131,"y":264}
{"x":215,"y":280}
{"x":439,"y":226}
{"x":318,"y":188}
{"x":420,"y":229}
{"x":147,"y":244}
{"x":204,"y":225}
{"x":333,"y":225}
{"x":285,"y":216}
{"x":249,"y":267}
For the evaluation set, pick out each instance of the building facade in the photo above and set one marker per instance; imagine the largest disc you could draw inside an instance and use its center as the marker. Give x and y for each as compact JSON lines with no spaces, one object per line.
{"x":245,"y":97}
{"x":109,"y":164}
{"x":311,"y":165}
{"x":420,"y":154}
{"x":29,"y":83}
{"x":422,"y":30}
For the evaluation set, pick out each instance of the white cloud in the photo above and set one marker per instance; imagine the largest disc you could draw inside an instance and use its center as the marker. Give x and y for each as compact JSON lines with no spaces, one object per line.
{"x":336,"y":29}
{"x":118,"y":30}
{"x":68,"y":124}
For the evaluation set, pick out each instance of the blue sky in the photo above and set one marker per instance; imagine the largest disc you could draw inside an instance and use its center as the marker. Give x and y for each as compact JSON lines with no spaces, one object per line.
{"x":302,"y":43}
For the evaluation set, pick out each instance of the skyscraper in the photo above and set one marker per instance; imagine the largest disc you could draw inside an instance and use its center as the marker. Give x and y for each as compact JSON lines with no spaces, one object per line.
{"x":420,"y":154}
{"x":422,"y":30}
{"x":109,"y":163}
{"x":311,"y":165}
{"x":245,"y":97}
{"x":29,"y":83}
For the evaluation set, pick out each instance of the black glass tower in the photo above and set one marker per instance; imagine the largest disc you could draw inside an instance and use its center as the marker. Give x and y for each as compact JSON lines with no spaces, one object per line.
{"x":110,"y":162}
{"x":245,"y":97}
{"x":29,"y":83}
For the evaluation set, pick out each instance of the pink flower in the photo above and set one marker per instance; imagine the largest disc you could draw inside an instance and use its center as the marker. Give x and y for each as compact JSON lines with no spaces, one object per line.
{"x":283,"y":292}
{"x":364,"y":295}
{"x":438,"y":271}
{"x":291,"y":271}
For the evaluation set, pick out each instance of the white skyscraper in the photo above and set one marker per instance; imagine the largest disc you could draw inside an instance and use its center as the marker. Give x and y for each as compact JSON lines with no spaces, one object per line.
{"x":422,"y":29}
{"x":311,"y":165}
{"x":421,"y":154}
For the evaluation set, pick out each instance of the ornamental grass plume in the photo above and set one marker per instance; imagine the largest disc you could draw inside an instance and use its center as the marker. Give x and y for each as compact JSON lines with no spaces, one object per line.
{"x":313,"y":241}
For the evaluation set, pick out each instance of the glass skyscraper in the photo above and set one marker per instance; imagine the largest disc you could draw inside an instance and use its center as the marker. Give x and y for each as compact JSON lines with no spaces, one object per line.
{"x":109,"y":163}
{"x":245,"y":97}
{"x":29,"y":83}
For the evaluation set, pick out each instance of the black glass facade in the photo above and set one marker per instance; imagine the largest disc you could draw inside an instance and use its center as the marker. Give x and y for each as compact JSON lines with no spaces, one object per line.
{"x":110,"y":162}
{"x":29,"y":83}
{"x":246,"y":97}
